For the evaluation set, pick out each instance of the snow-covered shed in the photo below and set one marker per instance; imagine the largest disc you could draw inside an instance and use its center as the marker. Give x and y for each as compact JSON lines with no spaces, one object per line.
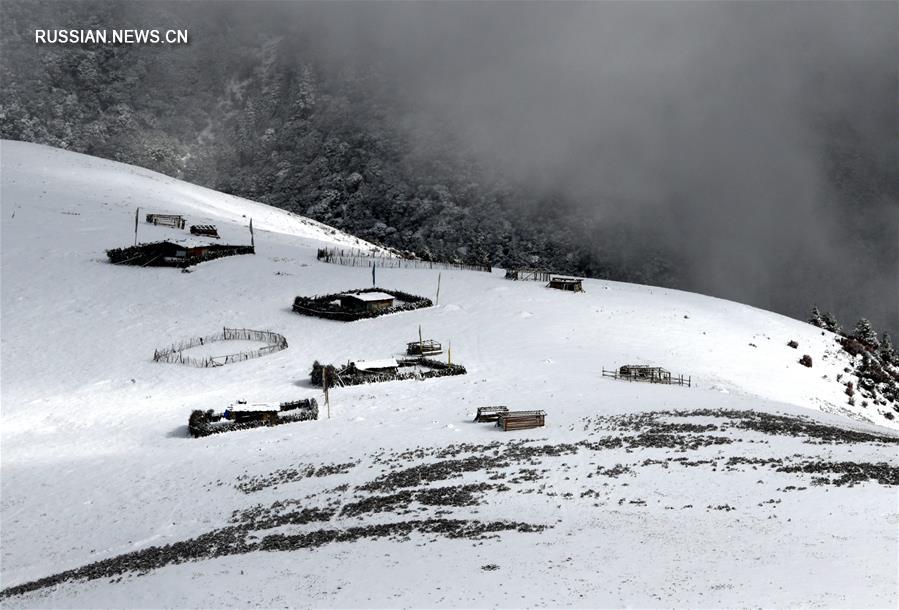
{"x":366,"y":301}
{"x":572,"y":284}
{"x":643,"y":372}
{"x":383,"y":365}
{"x":241,"y":412}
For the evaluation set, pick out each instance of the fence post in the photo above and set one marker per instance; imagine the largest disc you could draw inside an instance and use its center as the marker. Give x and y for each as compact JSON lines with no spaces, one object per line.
{"x":325,"y":383}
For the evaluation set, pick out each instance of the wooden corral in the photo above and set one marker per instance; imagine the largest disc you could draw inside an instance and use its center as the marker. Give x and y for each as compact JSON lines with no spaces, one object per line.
{"x":356,"y":305}
{"x":167,"y":220}
{"x":571,"y":284}
{"x":172,"y":254}
{"x":205,"y":230}
{"x":521,"y":420}
{"x":536,"y":275}
{"x":648,"y":374}
{"x":241,"y":416}
{"x":488,"y":414}
{"x":392,"y":260}
{"x":175,"y":352}
{"x":426,"y":347}
{"x":375,"y":371}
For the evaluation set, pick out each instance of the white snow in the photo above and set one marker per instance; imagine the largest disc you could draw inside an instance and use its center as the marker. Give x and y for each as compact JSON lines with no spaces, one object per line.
{"x":382,"y":363}
{"x":370,"y":296}
{"x":96,"y":461}
{"x":253,"y":406}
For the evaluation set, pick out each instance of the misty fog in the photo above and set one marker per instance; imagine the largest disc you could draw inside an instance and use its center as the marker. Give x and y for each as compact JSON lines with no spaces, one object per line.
{"x":756,"y":140}
{"x":706,"y":125}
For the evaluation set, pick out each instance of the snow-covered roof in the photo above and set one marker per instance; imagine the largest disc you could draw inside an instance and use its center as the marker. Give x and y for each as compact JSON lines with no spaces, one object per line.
{"x":254,"y":406}
{"x":384,"y":363}
{"x":370,"y":296}
{"x":192,"y":242}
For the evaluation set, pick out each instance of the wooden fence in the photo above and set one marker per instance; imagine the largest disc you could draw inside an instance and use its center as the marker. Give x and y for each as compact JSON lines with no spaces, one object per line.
{"x":162,"y":254}
{"x":360,"y":258}
{"x":536,"y":275}
{"x":323,"y":307}
{"x":175,"y":353}
{"x":339,"y":377}
{"x":672,"y":380}
{"x":204,"y":423}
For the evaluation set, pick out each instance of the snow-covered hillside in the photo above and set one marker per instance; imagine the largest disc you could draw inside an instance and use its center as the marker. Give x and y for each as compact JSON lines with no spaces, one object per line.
{"x":759,"y":485}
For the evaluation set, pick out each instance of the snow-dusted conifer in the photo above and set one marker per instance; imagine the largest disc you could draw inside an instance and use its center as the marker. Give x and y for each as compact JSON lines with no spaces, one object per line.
{"x":831,"y":323}
{"x":887,"y":353}
{"x":865,"y":334}
{"x":815,"y":318}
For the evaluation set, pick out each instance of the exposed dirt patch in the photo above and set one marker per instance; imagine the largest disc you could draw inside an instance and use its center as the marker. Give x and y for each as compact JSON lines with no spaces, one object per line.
{"x":249,"y":485}
{"x":536,"y":467}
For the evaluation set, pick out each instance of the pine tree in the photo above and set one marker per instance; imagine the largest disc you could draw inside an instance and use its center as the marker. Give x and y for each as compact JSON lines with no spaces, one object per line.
{"x":831,"y":323}
{"x":815,"y":319}
{"x":865,"y":334}
{"x":887,"y":353}
{"x":303,"y":94}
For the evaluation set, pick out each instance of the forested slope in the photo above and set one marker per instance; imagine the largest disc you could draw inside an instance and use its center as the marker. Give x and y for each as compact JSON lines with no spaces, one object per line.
{"x":295,"y":111}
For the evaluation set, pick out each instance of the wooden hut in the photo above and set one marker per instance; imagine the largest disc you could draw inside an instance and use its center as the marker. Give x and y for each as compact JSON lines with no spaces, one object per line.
{"x":646,"y":373}
{"x":384,"y":365}
{"x":425,"y":347}
{"x":242,"y":412}
{"x":520,"y":420}
{"x":571,"y":284}
{"x":173,"y":254}
{"x":641,"y":372}
{"x":205,"y":230}
{"x":490,"y":414}
{"x":366,"y":301}
{"x":176,"y":252}
{"x":167,"y":220}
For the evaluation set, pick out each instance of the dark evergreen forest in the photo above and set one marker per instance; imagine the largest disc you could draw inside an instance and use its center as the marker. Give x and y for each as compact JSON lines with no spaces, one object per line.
{"x":292,"y":110}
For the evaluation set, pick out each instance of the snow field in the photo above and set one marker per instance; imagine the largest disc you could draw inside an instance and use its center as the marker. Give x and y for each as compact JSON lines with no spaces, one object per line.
{"x":96,"y":461}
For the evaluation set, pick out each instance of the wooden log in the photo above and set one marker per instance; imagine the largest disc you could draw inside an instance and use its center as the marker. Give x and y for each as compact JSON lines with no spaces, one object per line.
{"x":489,"y":414}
